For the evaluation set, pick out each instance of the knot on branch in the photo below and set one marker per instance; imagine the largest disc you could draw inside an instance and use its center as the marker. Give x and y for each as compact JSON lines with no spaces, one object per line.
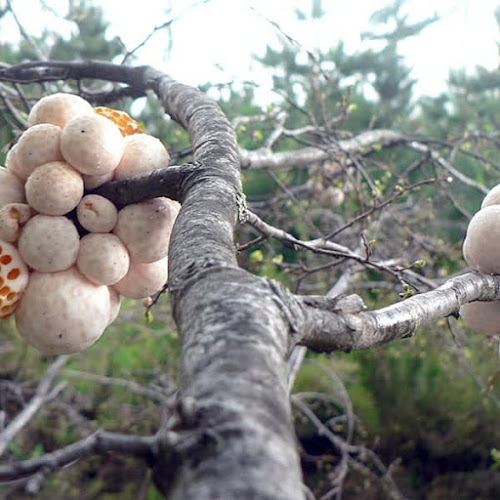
{"x":288,"y":305}
{"x":341,"y":304}
{"x":241,"y":203}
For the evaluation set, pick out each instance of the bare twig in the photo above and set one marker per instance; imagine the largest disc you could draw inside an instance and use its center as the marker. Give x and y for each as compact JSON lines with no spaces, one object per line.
{"x":98,"y":443}
{"x":349,"y":453}
{"x":157,"y":395}
{"x":35,"y":46}
{"x":44,"y":393}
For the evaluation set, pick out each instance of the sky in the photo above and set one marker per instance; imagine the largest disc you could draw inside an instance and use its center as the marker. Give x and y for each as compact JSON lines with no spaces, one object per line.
{"x":215,"y":41}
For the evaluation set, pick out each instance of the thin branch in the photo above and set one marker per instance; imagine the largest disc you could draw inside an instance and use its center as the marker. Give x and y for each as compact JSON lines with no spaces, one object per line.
{"x":43,"y":394}
{"x":348,"y":452}
{"x":377,"y":206}
{"x":417,"y":146}
{"x":318,"y":245}
{"x":157,"y":395}
{"x":38,"y":51}
{"x":363,"y":144}
{"x":99,"y":443}
{"x":166,"y":24}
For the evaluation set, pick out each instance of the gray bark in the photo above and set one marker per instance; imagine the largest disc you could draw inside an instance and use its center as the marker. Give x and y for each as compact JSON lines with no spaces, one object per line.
{"x":362,"y":143}
{"x":342,"y":323}
{"x":235,"y":335}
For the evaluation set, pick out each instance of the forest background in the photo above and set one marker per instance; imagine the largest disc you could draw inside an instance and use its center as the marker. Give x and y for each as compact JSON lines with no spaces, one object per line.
{"x":428,"y":406}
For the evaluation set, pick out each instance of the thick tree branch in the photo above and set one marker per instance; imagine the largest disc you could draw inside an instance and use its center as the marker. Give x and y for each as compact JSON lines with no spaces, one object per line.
{"x":343,"y":324}
{"x":162,"y":182}
{"x":363,"y":143}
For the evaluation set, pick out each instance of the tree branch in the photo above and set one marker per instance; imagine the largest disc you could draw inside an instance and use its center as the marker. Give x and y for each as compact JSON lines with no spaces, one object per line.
{"x":343,"y":324}
{"x":42,"y":395}
{"x":99,"y":443}
{"x":363,"y":143}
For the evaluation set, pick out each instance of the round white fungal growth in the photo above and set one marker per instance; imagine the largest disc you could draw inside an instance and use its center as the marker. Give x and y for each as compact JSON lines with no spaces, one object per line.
{"x":97,"y":214}
{"x":492,"y":197}
{"x":115,"y":303}
{"x":13,"y":216}
{"x":145,"y":228}
{"x":92,"y":144}
{"x":62,"y":313}
{"x":10,"y":159}
{"x":38,"y":145}
{"x":54,"y":188}
{"x":482,"y":317}
{"x":49,"y":243}
{"x":143,"y":153}
{"x":102,"y":258}
{"x":14,"y":277}
{"x":11,"y":188}
{"x":331,"y":196}
{"x":481,"y":248}
{"x":58,"y":109}
{"x":94,"y":181}
{"x":143,"y":280}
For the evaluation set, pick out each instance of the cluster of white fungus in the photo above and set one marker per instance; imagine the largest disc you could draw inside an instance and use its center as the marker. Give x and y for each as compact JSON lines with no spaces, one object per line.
{"x":481,"y":250}
{"x":67,"y":257}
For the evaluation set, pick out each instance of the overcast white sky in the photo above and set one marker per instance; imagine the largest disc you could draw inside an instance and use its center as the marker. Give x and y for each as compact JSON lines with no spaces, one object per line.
{"x":215,"y":41}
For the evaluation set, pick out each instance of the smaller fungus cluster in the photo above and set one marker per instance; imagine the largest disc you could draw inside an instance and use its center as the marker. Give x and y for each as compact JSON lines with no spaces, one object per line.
{"x":481,"y":250}
{"x":66,"y":256}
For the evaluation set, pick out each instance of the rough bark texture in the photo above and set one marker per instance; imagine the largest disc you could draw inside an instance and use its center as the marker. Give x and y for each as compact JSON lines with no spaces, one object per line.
{"x":343,"y":324}
{"x":235,"y":335}
{"x":362,"y":143}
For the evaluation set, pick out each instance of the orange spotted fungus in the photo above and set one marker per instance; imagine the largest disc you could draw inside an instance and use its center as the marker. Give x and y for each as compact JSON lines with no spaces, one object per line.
{"x":14,"y":277}
{"x":123,"y":120}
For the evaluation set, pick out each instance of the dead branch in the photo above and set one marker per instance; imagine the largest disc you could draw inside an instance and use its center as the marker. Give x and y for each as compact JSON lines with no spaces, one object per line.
{"x":44,"y":392}
{"x":343,"y":323}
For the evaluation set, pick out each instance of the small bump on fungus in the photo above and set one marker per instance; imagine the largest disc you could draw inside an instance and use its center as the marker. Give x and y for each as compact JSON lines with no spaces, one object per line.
{"x":49,"y":243}
{"x":13,"y":216}
{"x":492,"y":197}
{"x":11,"y":159}
{"x":94,"y":181}
{"x":92,"y":144}
{"x":38,"y":145}
{"x":145,"y":228}
{"x":481,"y":248}
{"x":54,"y":188}
{"x":11,"y":188}
{"x":102,"y":258}
{"x":96,"y":214}
{"x":143,"y":280}
{"x":115,"y":303}
{"x":143,"y":153}
{"x":58,"y":109}
{"x":482,"y":317}
{"x":62,"y":312}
